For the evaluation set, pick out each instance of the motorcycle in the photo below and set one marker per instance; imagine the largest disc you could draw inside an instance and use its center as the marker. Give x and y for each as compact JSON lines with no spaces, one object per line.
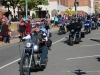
{"x":74,"y":36}
{"x":87,"y":28}
{"x":93,"y":25}
{"x":61,"y":29}
{"x":30,"y":58}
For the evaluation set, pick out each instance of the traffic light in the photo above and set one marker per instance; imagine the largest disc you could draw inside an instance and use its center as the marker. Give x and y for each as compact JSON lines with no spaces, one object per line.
{"x":76,"y":3}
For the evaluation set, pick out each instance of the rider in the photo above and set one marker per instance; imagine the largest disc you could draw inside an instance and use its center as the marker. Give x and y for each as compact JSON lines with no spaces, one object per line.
{"x":76,"y":25}
{"x":47,"y":27}
{"x":42,"y":41}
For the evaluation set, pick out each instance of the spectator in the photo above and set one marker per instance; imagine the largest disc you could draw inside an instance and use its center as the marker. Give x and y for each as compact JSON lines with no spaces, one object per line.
{"x":4,"y":31}
{"x":28,"y":27}
{"x":21,"y":28}
{"x":0,"y":27}
{"x":9,"y":17}
{"x":56,"y":20}
{"x":52,"y":21}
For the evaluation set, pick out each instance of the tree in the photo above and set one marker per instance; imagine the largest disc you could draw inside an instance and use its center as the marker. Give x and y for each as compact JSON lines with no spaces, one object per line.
{"x":69,"y":11}
{"x":13,"y":3}
{"x":32,"y":4}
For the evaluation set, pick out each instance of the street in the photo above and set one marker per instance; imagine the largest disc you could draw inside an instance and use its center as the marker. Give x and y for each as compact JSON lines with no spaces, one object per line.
{"x":80,"y":59}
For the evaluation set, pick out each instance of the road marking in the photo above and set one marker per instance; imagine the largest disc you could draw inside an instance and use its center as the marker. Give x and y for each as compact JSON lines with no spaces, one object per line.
{"x":82,"y":57}
{"x":90,"y":45}
{"x":58,"y":41}
{"x":9,"y":63}
{"x":20,"y":58}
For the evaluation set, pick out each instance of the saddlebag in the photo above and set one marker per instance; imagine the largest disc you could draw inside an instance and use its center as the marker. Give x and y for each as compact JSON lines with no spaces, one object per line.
{"x":49,"y":43}
{"x":82,"y":34}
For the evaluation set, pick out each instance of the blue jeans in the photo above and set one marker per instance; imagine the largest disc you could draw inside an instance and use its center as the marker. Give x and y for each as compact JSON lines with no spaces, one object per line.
{"x":5,"y":39}
{"x":48,"y":32}
{"x":44,"y":50}
{"x":96,"y":25}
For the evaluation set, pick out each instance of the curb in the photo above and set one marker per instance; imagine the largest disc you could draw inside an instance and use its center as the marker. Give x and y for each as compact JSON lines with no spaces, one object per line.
{"x":17,"y":39}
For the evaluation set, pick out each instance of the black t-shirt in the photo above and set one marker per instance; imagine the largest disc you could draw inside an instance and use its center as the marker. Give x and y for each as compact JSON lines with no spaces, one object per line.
{"x":47,"y":26}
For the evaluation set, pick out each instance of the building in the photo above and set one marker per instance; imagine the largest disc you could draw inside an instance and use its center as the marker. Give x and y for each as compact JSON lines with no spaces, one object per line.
{"x":54,"y":6}
{"x":61,"y":5}
{"x":58,"y":6}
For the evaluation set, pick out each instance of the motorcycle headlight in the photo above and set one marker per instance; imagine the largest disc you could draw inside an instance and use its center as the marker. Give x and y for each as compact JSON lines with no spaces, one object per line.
{"x":28,"y":45}
{"x":36,"y":48}
{"x":72,"y":30}
{"x":87,"y":24}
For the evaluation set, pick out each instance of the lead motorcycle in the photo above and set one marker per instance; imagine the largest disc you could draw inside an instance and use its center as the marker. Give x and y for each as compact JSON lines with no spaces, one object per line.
{"x":74,"y":36}
{"x":30,"y":58}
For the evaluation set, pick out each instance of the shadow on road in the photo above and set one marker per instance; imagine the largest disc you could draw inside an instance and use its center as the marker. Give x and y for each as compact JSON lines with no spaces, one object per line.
{"x":96,"y":40}
{"x":66,"y":42}
{"x":79,"y":72}
{"x":98,"y":59}
{"x":36,"y":70}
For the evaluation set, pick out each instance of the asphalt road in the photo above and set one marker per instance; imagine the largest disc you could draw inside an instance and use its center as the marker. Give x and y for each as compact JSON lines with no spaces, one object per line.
{"x":80,"y":59}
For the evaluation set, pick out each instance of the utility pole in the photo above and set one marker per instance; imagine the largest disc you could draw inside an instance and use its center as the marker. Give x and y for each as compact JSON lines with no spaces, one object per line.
{"x":26,"y":3}
{"x":75,"y":4}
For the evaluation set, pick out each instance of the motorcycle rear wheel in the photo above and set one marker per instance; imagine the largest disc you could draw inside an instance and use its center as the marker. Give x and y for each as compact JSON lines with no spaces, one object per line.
{"x":71,"y":41}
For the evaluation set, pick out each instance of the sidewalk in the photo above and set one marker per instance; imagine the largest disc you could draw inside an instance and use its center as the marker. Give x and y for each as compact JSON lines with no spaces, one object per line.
{"x":15,"y":40}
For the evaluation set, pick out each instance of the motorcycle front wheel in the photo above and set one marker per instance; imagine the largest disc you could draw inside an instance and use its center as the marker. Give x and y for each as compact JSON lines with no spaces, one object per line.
{"x":24,"y":65}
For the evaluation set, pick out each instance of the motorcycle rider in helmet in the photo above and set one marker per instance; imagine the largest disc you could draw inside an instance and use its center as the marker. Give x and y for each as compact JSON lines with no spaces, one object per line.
{"x":42,"y":42}
{"x":76,"y":25}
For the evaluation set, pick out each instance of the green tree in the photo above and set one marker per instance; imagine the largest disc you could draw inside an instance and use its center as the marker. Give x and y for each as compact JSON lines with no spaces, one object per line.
{"x":69,"y":11}
{"x":32,"y":4}
{"x":33,"y":15}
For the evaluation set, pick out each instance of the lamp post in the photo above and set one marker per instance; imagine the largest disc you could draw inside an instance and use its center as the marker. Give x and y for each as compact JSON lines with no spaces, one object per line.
{"x":18,"y":10}
{"x":26,"y":3}
{"x":75,"y":4}
{"x":8,"y":3}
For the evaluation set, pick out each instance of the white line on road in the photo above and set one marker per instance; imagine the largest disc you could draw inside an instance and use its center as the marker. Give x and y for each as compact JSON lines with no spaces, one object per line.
{"x":58,"y":41}
{"x":9,"y":63}
{"x":90,"y":45}
{"x":19,"y":58}
{"x":82,"y":57}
